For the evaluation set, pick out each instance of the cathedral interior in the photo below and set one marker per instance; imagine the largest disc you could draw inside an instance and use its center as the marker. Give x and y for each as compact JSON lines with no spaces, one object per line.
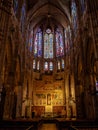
{"x":49,"y":59}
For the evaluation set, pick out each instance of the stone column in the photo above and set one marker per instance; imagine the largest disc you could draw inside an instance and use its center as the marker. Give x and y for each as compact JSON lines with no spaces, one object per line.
{"x":73,"y":96}
{"x":8,"y":103}
{"x":19,"y":101}
{"x":67,"y":93}
{"x":5,"y":13}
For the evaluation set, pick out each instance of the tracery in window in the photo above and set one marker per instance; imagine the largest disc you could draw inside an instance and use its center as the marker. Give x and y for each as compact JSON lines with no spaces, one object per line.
{"x":48,"y":44}
{"x":48,"y":47}
{"x":38,"y":44}
{"x":59,"y":44}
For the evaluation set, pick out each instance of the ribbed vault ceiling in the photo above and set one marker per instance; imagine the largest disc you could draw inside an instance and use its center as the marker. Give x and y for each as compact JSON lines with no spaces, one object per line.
{"x":39,"y":10}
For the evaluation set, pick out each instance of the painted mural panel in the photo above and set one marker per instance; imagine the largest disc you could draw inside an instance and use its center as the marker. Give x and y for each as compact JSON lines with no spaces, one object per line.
{"x":39,"y":110}
{"x":40,"y":99}
{"x":57,"y":98}
{"x":52,"y":98}
{"x":48,"y":93}
{"x":42,"y":86}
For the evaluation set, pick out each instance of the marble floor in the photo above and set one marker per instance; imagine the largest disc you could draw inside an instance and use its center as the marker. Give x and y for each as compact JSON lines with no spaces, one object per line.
{"x":50,"y":126}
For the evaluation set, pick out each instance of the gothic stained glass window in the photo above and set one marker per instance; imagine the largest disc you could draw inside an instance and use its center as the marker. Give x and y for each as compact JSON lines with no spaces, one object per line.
{"x":46,"y":66}
{"x":59,"y":44}
{"x":43,"y":48}
{"x":62,"y":63}
{"x":23,"y":17}
{"x":48,"y":44}
{"x":59,"y":67}
{"x":30,"y":41}
{"x":38,"y":63}
{"x":15,"y":6}
{"x":51,"y":66}
{"x":35,"y":45}
{"x":38,"y":43}
{"x":34,"y":64}
{"x":74,"y":16}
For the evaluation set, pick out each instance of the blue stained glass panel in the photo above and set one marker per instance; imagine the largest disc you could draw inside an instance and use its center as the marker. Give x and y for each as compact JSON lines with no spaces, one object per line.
{"x":35,"y":45}
{"x":38,"y":44}
{"x":46,"y":66}
{"x":48,"y":44}
{"x":59,"y":44}
{"x":51,"y":66}
{"x":62,"y":63}
{"x":66,"y":40}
